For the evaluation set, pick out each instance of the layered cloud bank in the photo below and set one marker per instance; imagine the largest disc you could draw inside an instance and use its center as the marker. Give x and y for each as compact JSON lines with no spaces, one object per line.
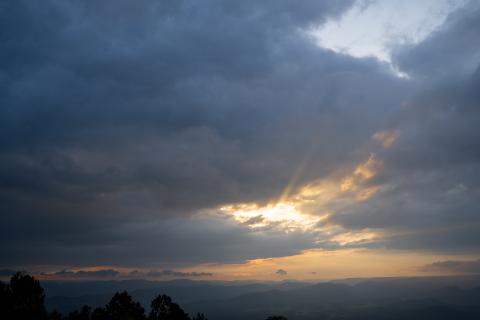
{"x":179,"y":133}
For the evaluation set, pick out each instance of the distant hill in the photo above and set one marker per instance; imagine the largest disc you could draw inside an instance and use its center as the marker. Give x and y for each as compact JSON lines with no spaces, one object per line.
{"x":70,"y":295}
{"x":395,"y":298}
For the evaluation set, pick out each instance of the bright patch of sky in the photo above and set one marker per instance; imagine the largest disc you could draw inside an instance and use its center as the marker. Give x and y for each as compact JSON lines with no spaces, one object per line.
{"x":373,"y":26}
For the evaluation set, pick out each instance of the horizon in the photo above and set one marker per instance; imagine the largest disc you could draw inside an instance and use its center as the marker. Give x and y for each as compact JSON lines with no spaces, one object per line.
{"x":43,"y":279}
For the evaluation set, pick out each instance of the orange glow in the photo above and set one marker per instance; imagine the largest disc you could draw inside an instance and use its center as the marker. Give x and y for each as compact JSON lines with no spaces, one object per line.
{"x":313,"y":202}
{"x":328,"y":265}
{"x":284,"y":215}
{"x":369,"y":168}
{"x":386,"y":138}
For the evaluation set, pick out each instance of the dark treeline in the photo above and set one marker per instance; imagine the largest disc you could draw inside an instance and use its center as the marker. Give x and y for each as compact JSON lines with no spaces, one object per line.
{"x":23,"y":298}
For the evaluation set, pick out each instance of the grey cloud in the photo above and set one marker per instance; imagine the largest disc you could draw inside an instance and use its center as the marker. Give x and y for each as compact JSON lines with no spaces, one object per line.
{"x":121,"y":120}
{"x":169,"y":273}
{"x":451,"y":51}
{"x":172,"y":105}
{"x":453,"y":266}
{"x":254,"y":220}
{"x":281,"y":272}
{"x":80,"y":274}
{"x":152,"y":243}
{"x":430,"y":181}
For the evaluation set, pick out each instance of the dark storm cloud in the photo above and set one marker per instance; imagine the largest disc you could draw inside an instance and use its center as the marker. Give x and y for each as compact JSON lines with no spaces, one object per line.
{"x":466,"y":267}
{"x":451,"y":51}
{"x":117,"y":116}
{"x":174,"y":107}
{"x":176,"y":242}
{"x":120,"y":121}
{"x":430,"y":180}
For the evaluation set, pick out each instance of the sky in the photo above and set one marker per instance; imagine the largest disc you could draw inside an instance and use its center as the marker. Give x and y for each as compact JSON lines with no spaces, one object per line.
{"x":246,"y":140}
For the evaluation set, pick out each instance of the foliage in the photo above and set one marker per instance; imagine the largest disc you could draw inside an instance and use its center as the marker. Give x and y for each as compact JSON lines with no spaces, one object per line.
{"x":122,"y":307}
{"x":163,"y":308}
{"x":23,"y":298}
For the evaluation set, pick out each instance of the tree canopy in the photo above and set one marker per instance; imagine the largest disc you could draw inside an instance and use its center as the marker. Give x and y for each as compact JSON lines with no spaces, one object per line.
{"x":22,"y":298}
{"x":163,"y":308}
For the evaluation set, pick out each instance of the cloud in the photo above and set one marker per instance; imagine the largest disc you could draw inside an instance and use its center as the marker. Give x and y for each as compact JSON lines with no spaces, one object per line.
{"x":452,"y":266}
{"x":125,"y":126}
{"x":449,"y":52}
{"x":86,"y":274}
{"x":117,"y":274}
{"x":123,"y":116}
{"x":281,"y":272}
{"x":180,"y":242}
{"x":254,"y":220}
{"x":428,"y":186}
{"x":169,"y":273}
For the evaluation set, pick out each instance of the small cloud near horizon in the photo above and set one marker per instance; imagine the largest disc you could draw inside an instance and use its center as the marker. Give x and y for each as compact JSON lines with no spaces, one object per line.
{"x":84,"y":274}
{"x":113,"y":273}
{"x":167,"y":273}
{"x":453,"y":266}
{"x":281,"y":272}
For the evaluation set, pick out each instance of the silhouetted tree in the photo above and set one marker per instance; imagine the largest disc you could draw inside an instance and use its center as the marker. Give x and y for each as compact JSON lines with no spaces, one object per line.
{"x":26,"y":298}
{"x":199,"y":316}
{"x":5,"y":301}
{"x":83,"y":314}
{"x":122,"y":307}
{"x":276,"y":318}
{"x":164,"y":309}
{"x":99,"y":314}
{"x":54,"y":315}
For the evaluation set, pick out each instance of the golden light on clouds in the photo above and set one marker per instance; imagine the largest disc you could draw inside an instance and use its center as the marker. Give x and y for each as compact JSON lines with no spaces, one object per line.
{"x":352,"y":237}
{"x":310,"y":207}
{"x":281,"y":215}
{"x":369,"y":168}
{"x":386,"y":138}
{"x":308,"y":210}
{"x":347,"y":189}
